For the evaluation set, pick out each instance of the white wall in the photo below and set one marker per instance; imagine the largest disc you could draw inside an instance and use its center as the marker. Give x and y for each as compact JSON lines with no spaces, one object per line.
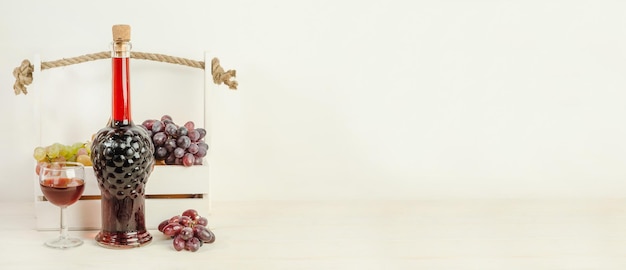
{"x":366,"y":99}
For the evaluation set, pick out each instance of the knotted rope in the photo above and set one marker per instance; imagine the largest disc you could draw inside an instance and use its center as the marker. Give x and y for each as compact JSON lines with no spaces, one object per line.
{"x":24,"y":73}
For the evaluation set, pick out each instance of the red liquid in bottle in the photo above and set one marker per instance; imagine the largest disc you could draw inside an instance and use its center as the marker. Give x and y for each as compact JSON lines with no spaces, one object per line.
{"x":121,"y":84}
{"x":62,"y":192}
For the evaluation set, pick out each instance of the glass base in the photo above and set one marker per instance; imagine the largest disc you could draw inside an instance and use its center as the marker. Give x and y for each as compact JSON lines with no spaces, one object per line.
{"x":63,"y":243}
{"x":123,"y":240}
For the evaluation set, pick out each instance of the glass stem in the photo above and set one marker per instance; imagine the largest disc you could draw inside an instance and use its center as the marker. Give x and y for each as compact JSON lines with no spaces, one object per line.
{"x":64,"y":234}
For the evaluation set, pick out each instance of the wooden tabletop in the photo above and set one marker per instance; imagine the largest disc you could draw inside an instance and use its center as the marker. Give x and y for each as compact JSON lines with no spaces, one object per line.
{"x":428,"y":234}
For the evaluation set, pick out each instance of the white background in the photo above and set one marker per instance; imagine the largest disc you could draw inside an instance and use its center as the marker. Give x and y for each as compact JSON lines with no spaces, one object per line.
{"x":358,"y":99}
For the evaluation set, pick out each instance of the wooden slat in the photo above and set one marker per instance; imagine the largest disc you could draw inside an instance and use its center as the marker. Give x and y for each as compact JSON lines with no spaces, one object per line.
{"x":156,"y":196}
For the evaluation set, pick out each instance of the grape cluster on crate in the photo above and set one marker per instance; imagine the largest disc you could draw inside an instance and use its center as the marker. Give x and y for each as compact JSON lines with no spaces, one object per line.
{"x":78,"y":152}
{"x":174,"y":144}
{"x":188,"y":230}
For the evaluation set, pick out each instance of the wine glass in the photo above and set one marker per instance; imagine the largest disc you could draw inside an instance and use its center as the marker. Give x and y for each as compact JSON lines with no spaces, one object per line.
{"x":62,"y":183}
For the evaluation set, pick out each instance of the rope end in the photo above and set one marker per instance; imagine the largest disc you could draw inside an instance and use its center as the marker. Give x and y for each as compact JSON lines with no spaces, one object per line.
{"x":232,"y":85}
{"x":23,"y":77}
{"x":220,"y":76}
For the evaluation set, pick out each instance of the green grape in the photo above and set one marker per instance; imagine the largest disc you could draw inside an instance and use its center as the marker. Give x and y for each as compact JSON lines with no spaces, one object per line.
{"x":81,"y":151}
{"x":88,"y":147}
{"x":67,"y":152}
{"x":76,"y":146}
{"x":53,"y":150}
{"x":84,"y":159}
{"x":63,"y":151}
{"x":39,"y":154}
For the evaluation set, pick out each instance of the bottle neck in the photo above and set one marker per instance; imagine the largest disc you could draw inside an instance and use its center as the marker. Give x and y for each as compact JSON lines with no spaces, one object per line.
{"x":121,"y":111}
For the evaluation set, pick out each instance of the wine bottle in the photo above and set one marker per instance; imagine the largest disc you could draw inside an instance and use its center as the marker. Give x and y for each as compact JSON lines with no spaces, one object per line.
{"x":123,"y":158}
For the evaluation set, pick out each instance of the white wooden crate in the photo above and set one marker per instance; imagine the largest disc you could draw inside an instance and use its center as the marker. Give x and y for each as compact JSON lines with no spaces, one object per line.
{"x":74,"y":102}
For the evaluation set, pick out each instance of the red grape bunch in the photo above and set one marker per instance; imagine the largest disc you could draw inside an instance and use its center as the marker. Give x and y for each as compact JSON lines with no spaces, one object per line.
{"x":174,"y":144}
{"x":188,"y":230}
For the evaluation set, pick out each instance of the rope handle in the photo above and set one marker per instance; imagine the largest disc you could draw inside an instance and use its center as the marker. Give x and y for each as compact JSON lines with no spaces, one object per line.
{"x":24,"y":73}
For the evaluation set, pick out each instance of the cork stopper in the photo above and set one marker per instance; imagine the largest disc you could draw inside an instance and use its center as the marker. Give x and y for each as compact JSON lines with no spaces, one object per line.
{"x":121,"y":32}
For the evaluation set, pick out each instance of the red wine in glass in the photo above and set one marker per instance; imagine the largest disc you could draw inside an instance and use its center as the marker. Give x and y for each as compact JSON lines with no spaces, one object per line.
{"x":62,"y":192}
